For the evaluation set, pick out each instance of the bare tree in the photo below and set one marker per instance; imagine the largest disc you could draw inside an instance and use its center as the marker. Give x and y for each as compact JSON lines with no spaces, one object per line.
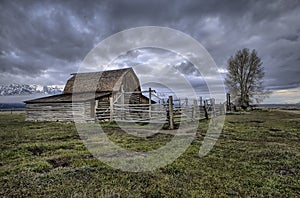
{"x":245,"y":78}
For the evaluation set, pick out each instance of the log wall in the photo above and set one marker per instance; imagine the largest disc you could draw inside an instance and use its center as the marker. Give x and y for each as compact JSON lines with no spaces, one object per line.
{"x":59,"y":111}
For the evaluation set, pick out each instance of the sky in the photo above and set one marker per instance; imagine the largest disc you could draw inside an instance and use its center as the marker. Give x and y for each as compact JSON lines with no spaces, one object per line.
{"x":43,"y":42}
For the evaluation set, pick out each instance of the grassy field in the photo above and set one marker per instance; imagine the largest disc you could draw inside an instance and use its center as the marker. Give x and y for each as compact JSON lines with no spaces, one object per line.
{"x":258,"y":154}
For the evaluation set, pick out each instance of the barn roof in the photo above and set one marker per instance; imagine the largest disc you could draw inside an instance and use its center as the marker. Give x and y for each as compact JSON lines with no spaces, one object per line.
{"x":104,"y":81}
{"x":61,"y":98}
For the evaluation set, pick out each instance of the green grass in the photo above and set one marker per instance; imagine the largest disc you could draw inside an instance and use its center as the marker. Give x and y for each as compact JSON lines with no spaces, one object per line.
{"x":258,"y":154}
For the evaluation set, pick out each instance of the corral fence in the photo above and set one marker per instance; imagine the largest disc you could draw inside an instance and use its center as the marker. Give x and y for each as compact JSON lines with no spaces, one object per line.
{"x":168,"y":111}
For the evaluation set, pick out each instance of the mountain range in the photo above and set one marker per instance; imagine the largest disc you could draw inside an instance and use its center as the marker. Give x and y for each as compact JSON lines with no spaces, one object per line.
{"x":25,"y":89}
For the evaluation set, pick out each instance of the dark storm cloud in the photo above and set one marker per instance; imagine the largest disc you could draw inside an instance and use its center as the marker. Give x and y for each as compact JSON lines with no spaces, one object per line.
{"x":41,"y":39}
{"x":42,"y":35}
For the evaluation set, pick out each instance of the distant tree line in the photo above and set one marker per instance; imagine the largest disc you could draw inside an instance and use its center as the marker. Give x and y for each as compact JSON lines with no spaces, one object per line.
{"x":10,"y":106}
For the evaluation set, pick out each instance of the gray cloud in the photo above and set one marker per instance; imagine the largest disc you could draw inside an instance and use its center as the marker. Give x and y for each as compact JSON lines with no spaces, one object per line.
{"x":45,"y":41}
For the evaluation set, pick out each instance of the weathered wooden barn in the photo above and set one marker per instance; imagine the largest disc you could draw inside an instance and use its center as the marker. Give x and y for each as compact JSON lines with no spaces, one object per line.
{"x":87,"y":95}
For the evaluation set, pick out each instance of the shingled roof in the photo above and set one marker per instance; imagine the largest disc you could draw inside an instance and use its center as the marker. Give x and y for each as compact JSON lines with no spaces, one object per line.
{"x":107,"y":81}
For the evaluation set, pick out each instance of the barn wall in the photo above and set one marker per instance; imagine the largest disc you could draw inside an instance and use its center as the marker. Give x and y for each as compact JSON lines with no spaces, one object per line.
{"x":58,"y":111}
{"x":144,"y":100}
{"x":131,"y":82}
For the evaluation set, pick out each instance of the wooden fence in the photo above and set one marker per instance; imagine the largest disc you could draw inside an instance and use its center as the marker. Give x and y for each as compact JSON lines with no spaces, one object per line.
{"x":169,"y":111}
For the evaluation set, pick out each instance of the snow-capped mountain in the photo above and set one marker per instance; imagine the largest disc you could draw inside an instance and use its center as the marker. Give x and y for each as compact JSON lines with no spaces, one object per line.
{"x":24,"y":89}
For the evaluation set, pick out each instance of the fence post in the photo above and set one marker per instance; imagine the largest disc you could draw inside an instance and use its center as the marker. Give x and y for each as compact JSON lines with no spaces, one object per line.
{"x":200,"y":99}
{"x":213,"y":102}
{"x":111,"y":109}
{"x":150,"y":91}
{"x":205,"y":109}
{"x":94,"y":114}
{"x":171,"y":115}
{"x":194,"y":109}
{"x":228,"y":105}
{"x":122,"y":102}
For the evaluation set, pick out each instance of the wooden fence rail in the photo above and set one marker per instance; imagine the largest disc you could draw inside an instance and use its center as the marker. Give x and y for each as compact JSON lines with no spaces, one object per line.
{"x":171,"y":112}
